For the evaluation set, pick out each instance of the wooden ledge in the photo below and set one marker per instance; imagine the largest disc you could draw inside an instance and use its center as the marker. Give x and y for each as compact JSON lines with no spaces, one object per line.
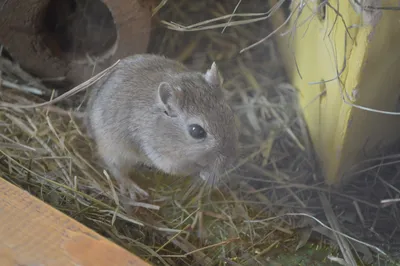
{"x":34,"y":233}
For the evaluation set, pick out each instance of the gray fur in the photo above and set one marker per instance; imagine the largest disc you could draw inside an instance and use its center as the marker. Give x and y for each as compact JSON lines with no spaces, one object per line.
{"x":125,"y":117}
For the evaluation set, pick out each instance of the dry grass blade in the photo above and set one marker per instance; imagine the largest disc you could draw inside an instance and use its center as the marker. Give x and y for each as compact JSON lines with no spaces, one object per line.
{"x":69,"y":93}
{"x":342,"y":242}
{"x":31,"y":84}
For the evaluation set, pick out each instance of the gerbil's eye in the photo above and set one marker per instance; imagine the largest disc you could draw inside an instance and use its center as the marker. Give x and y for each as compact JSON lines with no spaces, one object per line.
{"x":197,"y":131}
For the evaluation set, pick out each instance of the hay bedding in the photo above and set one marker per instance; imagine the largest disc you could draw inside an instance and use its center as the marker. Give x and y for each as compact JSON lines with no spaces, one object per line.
{"x":276,"y":200}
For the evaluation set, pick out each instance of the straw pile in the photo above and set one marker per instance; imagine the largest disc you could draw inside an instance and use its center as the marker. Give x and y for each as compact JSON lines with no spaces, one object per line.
{"x":276,"y":200}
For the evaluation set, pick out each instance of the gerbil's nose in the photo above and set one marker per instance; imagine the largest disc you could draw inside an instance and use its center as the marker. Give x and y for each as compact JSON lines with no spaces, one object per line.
{"x":204,"y":175}
{"x":209,"y":178}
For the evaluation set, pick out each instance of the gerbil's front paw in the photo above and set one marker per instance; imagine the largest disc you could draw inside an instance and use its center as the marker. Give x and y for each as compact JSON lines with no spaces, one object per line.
{"x":134,"y":191}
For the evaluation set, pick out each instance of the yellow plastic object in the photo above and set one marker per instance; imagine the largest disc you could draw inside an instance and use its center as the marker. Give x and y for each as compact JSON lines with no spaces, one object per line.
{"x":339,"y":56}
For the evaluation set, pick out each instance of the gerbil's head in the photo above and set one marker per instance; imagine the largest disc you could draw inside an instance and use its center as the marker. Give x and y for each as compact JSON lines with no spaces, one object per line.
{"x":195,"y":127}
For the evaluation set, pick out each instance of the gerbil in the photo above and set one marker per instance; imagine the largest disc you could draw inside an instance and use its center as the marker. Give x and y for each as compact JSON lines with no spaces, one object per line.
{"x":153,"y":110}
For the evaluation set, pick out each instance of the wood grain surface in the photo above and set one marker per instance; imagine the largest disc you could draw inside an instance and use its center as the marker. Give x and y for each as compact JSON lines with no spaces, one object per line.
{"x":33,"y":233}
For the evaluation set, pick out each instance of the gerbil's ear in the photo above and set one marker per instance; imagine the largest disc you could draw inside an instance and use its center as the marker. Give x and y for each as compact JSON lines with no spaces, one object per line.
{"x":167,"y":96}
{"x":212,"y":76}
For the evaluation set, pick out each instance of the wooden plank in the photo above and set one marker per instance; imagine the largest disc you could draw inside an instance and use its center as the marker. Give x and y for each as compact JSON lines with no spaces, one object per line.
{"x":367,"y":66}
{"x":33,"y":233}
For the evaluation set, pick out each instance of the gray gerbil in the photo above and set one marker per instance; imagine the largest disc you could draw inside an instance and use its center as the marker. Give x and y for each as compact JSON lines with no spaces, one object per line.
{"x":153,"y":110}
